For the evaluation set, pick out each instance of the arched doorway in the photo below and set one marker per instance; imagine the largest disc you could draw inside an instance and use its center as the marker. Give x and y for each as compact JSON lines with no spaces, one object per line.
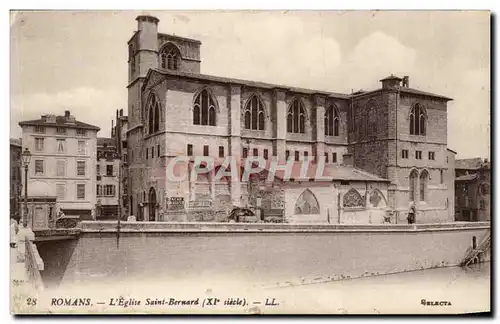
{"x":152,"y":204}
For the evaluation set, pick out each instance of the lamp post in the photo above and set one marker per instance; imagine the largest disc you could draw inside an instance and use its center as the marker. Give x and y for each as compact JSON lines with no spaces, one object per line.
{"x":26,"y":158}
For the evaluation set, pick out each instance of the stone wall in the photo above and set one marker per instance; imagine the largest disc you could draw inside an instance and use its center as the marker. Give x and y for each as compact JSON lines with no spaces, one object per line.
{"x":266,"y":254}
{"x":330,"y":198}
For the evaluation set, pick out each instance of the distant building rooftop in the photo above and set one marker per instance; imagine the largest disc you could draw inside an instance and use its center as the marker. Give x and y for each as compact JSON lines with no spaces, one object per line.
{"x":467,"y":177}
{"x":471,"y":164}
{"x":51,"y":120}
{"x":105,"y":142}
{"x":16,"y":142}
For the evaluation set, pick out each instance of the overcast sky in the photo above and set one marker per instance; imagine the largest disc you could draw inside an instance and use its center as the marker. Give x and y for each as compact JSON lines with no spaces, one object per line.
{"x":78,"y":60}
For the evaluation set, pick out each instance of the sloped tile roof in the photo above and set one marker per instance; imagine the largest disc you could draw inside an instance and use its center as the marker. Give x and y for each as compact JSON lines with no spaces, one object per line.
{"x":469,"y":164}
{"x":105,"y":140}
{"x":423,"y":93}
{"x":404,"y":90}
{"x":61,"y":121}
{"x":16,"y":142}
{"x":248,"y":83}
{"x":330,"y":172}
{"x":467,"y":177}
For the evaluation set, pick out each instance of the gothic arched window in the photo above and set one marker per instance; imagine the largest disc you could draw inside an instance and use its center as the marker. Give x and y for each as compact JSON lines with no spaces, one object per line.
{"x":153,"y":108}
{"x":306,"y":204}
{"x":169,"y":57}
{"x":424,"y":176}
{"x":377,"y":198}
{"x":204,"y":109}
{"x":296,"y":117}
{"x":254,"y":114}
{"x":332,"y":121}
{"x":353,"y":198}
{"x":418,"y":120}
{"x":413,"y":184}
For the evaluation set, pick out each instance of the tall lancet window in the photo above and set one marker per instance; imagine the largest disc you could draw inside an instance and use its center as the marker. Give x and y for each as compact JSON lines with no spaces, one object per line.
{"x":204,"y":109}
{"x":153,"y":113}
{"x":332,"y":121}
{"x":413,"y":185}
{"x":254,"y":114}
{"x":296,"y":117}
{"x":418,"y":120}
{"x":424,"y":176}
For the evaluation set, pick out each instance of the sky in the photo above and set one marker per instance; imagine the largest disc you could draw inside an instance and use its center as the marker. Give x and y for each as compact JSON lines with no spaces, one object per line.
{"x":77,"y":61}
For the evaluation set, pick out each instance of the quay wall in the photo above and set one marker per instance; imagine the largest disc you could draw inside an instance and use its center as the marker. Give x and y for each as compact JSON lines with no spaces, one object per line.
{"x":260,"y":254}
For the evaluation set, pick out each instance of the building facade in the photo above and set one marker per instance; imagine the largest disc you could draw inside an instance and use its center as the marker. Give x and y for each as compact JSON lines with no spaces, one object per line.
{"x":400,"y":133}
{"x":63,"y":162}
{"x":15,"y":177}
{"x":472,"y":190}
{"x":107,"y":172}
{"x":119,"y":135}
{"x":395,"y":133}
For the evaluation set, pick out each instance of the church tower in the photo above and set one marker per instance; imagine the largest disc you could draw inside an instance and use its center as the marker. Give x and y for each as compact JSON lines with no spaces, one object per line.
{"x":143,"y":55}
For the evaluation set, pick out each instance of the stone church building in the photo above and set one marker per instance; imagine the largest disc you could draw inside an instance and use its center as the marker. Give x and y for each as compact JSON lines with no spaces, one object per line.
{"x":385,"y":150}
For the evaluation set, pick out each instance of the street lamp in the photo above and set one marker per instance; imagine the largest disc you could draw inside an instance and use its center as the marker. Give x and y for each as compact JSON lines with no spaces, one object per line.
{"x":26,"y":158}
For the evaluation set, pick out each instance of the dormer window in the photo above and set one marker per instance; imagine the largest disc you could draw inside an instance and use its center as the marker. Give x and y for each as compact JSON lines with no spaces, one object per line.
{"x":169,"y":57}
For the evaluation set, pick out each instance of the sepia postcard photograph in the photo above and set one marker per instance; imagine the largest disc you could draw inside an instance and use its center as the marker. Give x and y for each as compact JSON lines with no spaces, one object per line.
{"x":258,"y":162}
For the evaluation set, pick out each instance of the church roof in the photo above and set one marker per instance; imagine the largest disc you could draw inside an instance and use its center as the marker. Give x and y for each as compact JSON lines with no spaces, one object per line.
{"x":256,"y":84}
{"x":405,"y":90}
{"x":330,"y":172}
{"x":423,"y":93}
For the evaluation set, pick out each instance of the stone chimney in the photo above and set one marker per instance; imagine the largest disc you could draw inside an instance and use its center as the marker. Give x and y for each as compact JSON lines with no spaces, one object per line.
{"x":121,"y":112}
{"x":406,"y":81}
{"x":348,"y":160}
{"x":50,"y":118}
{"x":67,"y":113}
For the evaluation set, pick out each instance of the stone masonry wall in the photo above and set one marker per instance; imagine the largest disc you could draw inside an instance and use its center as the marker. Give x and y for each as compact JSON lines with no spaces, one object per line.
{"x":258,"y":257}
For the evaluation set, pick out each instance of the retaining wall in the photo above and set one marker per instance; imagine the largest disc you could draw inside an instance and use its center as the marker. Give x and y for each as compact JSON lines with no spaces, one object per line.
{"x":261,"y":254}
